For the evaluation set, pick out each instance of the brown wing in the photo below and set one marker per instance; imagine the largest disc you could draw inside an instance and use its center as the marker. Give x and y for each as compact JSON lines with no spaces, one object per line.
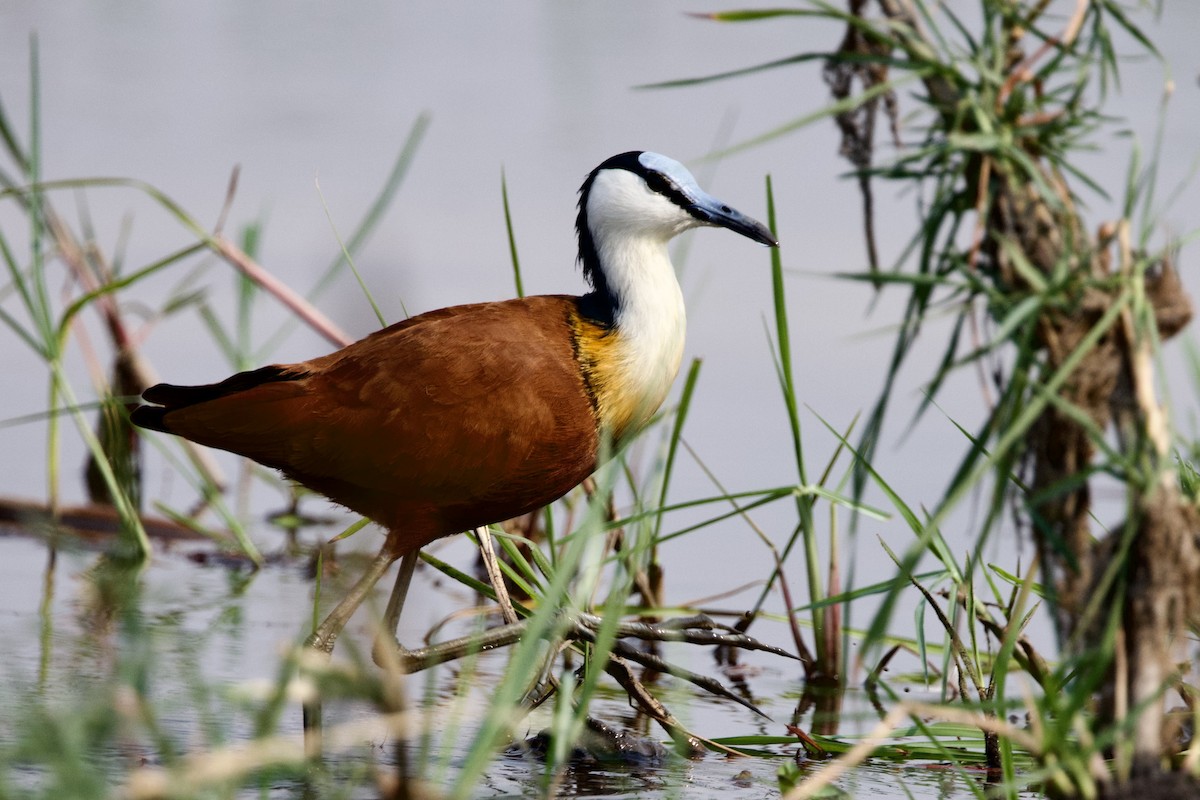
{"x":452,"y":419}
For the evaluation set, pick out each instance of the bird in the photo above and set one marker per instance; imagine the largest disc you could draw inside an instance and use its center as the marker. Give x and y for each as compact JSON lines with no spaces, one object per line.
{"x":474,"y":414}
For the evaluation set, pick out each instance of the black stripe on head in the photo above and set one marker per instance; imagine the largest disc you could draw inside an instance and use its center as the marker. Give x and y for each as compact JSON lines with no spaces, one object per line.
{"x":602,"y":303}
{"x":666,"y":187}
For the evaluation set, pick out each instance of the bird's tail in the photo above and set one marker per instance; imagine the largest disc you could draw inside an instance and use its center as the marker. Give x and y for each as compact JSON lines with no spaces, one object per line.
{"x":168,"y":397}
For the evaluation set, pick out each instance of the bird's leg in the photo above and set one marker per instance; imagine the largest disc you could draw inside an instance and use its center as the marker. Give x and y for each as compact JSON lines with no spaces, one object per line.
{"x":391,"y":617}
{"x":395,"y":605}
{"x":326,"y":634}
{"x":322,"y":639}
{"x":396,"y":656}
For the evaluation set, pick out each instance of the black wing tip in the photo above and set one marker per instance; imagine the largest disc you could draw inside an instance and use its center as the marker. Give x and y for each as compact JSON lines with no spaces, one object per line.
{"x":167,"y":397}
{"x":150,"y":417}
{"x":161,"y":393}
{"x":176,"y":397}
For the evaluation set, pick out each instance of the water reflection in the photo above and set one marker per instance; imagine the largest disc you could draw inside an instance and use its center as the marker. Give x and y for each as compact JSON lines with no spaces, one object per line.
{"x":199,"y":649}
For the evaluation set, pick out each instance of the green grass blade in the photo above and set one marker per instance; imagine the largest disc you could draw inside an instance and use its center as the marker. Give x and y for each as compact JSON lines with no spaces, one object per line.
{"x":512,"y":239}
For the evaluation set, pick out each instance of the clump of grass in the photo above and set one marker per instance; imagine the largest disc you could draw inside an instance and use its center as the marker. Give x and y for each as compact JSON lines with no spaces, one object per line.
{"x":1061,"y":326}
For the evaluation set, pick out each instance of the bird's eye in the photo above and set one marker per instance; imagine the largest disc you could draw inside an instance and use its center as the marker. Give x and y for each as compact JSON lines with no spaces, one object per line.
{"x":657,"y":183}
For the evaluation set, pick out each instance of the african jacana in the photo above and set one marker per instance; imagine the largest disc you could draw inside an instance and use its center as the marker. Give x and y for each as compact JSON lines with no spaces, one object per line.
{"x":474,"y":414}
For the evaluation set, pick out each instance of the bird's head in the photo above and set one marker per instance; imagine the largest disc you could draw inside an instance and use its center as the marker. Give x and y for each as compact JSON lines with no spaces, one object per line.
{"x":646,"y":195}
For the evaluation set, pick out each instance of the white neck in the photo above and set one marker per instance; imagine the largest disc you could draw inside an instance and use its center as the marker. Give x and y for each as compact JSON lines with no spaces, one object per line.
{"x":649,"y":317}
{"x":641,"y":279}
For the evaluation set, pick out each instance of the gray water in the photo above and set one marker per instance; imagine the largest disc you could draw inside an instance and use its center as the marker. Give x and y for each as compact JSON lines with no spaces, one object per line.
{"x":211,"y":637}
